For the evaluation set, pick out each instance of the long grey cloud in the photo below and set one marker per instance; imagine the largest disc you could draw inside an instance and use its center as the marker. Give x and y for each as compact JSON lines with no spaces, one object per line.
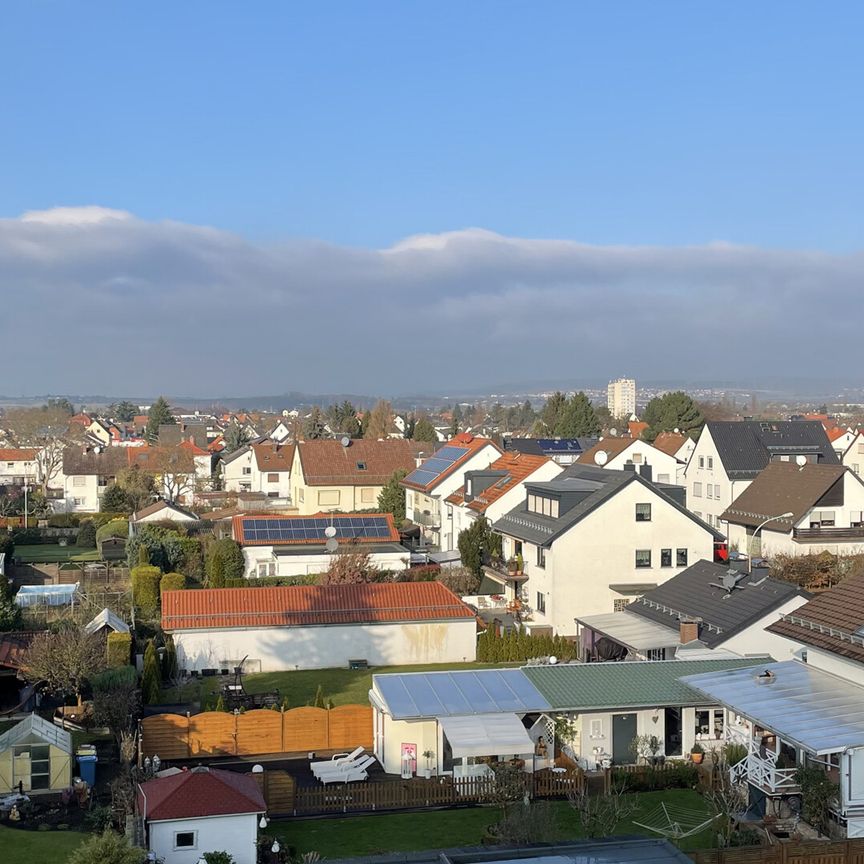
{"x":98,"y":301}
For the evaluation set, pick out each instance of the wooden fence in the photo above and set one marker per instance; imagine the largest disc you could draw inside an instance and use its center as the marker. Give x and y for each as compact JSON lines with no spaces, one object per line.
{"x":813,"y":852}
{"x":285,"y":798}
{"x":252,"y":733}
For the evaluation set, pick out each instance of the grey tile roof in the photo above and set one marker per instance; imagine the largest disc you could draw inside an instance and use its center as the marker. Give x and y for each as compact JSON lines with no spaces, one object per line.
{"x":745,"y":447}
{"x":598,"y":485}
{"x":694,"y":593}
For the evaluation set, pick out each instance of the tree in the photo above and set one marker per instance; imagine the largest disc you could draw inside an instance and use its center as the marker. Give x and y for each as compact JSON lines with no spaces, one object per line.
{"x":342,"y":419}
{"x":10,"y":614}
{"x":524,"y":823}
{"x":115,"y":500}
{"x":116,"y":699}
{"x":349,"y":566}
{"x":313,"y":425}
{"x":672,"y":411}
{"x":599,"y":815}
{"x":224,"y":563}
{"x":49,"y":431}
{"x":175,"y":466}
{"x":169,"y":659}
{"x":460,"y":580}
{"x":391,"y":498}
{"x":151,"y":677}
{"x":86,"y":538}
{"x":577,"y":418}
{"x":455,"y":420}
{"x":124,"y":412}
{"x":139,"y":486}
{"x":107,"y":848}
{"x":64,"y":662}
{"x":476,"y":540}
{"x":235,"y":437}
{"x":379,"y":421}
{"x":158,"y":415}
{"x":425,"y":431}
{"x":552,"y":411}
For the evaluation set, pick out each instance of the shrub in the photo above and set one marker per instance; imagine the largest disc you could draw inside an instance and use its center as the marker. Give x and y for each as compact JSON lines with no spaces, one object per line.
{"x":145,"y":586}
{"x":114,"y":528}
{"x":119,"y":649}
{"x":172,"y":582}
{"x":86,"y":535}
{"x":225,"y":565}
{"x":107,"y":848}
{"x":169,"y":659}
{"x":116,"y":499}
{"x":517,"y":645}
{"x":218,"y":858}
{"x":26,"y":536}
{"x":151,"y":678}
{"x":64,"y":520}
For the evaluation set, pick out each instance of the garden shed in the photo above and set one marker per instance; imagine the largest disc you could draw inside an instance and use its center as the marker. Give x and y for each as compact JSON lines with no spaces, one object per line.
{"x":37,"y":755}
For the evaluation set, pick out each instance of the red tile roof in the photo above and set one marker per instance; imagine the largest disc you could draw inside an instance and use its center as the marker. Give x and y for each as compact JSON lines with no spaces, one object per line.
{"x":13,"y":646}
{"x":463,"y":439}
{"x":238,"y":525}
{"x":328,"y":463}
{"x":670,"y":442}
{"x":612,"y":447}
{"x":273,"y":457}
{"x":198,"y":793}
{"x":835,"y":433}
{"x":309,"y":605}
{"x":636,"y":427}
{"x":17,"y":454}
{"x":519,"y":466}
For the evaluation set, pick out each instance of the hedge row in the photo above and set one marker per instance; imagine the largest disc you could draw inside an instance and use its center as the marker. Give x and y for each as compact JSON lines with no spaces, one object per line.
{"x":145,"y":586}
{"x":518,"y":645}
{"x":119,"y":649}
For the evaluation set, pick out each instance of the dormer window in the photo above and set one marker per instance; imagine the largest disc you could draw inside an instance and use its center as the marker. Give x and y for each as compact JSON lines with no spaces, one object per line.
{"x":361,"y":466}
{"x":543,"y":506}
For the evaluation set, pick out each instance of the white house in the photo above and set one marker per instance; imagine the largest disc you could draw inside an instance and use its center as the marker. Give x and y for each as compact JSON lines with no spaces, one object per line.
{"x":161,"y":511}
{"x":188,"y":812}
{"x":853,"y":455}
{"x":799,"y":509}
{"x":591,"y":541}
{"x":18,"y":466}
{"x":301,"y":545}
{"x":86,"y":474}
{"x":263,"y":466}
{"x":616,"y":453}
{"x":707,"y":606}
{"x":729,"y":455}
{"x":496,"y":490}
{"x":319,"y":626}
{"x":439,"y":476}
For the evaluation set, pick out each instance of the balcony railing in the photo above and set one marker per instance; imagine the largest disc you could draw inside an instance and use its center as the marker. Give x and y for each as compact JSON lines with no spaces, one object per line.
{"x":761,"y":771}
{"x":813,"y":535}
{"x":506,"y":570}
{"x":427,"y":520}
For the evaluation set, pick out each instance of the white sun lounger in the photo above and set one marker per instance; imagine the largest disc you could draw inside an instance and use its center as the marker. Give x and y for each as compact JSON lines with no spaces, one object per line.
{"x":349,"y":774}
{"x":344,"y":767}
{"x":336,"y":759}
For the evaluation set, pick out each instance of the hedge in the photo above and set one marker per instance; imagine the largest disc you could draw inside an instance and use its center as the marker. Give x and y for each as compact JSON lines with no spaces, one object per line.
{"x":117,"y":676}
{"x":64,"y":520}
{"x":119,"y":649}
{"x":145,"y":586}
{"x":515,"y":646}
{"x":172,"y":582}
{"x":86,"y":538}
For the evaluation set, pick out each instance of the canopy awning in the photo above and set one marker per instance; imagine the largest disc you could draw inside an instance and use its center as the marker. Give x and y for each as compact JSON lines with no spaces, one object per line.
{"x":486,"y":735}
{"x":635,"y":632}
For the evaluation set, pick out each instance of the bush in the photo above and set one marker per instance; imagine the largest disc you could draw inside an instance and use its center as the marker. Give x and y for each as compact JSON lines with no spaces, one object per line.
{"x":145,"y":586}
{"x":114,"y":528}
{"x":116,"y":500}
{"x":172,"y":582}
{"x":672,"y":775}
{"x":151,"y":678}
{"x":86,"y":535}
{"x":107,"y":848}
{"x":27,"y":537}
{"x":517,"y":645}
{"x":225,"y":565}
{"x":64,"y":520}
{"x":119,"y":649}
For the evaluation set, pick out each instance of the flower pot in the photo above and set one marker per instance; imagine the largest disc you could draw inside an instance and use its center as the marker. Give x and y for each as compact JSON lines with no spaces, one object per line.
{"x":697,"y":758}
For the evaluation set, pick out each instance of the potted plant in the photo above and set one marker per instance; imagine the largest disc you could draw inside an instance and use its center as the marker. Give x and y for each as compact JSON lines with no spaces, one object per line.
{"x":428,"y":755}
{"x":520,"y":563}
{"x":697,"y":753}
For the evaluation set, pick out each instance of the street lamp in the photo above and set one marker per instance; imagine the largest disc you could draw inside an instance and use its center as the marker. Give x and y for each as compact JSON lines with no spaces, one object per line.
{"x":753,"y":537}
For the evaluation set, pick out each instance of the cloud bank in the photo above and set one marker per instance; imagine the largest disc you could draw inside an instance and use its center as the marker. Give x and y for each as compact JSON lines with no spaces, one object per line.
{"x":97,"y":300}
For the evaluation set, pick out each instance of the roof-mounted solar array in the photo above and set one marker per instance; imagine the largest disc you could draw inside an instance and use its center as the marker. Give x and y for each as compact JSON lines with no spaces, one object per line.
{"x":439,"y":463}
{"x":313,"y":528}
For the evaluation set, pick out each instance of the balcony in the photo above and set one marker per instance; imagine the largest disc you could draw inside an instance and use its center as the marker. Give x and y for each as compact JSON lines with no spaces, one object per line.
{"x":815,"y":535}
{"x":760,"y":770}
{"x":426,"y":520}
{"x":503,"y":571}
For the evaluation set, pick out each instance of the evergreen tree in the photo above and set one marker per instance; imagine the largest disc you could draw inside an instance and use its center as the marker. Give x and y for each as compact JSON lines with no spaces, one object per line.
{"x":158,"y":415}
{"x":577,"y":419}
{"x":672,"y":411}
{"x":476,"y":540}
{"x":151,"y":678}
{"x":115,"y":500}
{"x":313,"y":425}
{"x":392,"y":497}
{"x":410,"y":423}
{"x":235,"y":437}
{"x":425,"y":431}
{"x":169,"y":659}
{"x":456,"y":420}
{"x":552,"y":412}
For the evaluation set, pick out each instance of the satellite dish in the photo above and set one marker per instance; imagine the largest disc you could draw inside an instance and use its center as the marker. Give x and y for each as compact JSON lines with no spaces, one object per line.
{"x":613,"y":432}
{"x":601,"y":457}
{"x":801,"y":460}
{"x":332,"y":544}
{"x":330,"y":531}
{"x":346,"y":441}
{"x":553,"y":660}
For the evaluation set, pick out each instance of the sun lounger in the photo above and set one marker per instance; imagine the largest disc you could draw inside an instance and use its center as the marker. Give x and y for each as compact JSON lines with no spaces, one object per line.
{"x":349,"y":774}
{"x":337,"y":759}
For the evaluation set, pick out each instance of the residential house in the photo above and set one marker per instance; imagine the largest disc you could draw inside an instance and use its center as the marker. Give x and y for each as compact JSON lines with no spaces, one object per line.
{"x":799,"y":509}
{"x":616,"y":453}
{"x":301,"y":545}
{"x":263,"y":466}
{"x":707,"y":605}
{"x":729,"y":454}
{"x":281,"y":432}
{"x":464,"y":717}
{"x":319,"y":626}
{"x":161,"y":511}
{"x":347,"y":474}
{"x":18,"y":466}
{"x":180,"y":470}
{"x":678,"y":445}
{"x":853,"y":455}
{"x":592,"y":540}
{"x":808,"y":711}
{"x":187,"y":813}
{"x":841,"y":437}
{"x":434,"y":479}
{"x":491,"y":492}
{"x":86,"y":474}
{"x":103,"y":433}
{"x":36,"y":756}
{"x":565,"y":451}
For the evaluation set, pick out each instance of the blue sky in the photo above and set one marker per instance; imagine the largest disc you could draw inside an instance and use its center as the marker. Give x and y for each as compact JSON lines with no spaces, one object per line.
{"x":386,"y":197}
{"x":363,"y":122}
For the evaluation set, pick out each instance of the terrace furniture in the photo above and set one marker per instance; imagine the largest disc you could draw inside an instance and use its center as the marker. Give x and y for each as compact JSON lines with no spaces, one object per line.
{"x":349,"y":772}
{"x":336,"y":761}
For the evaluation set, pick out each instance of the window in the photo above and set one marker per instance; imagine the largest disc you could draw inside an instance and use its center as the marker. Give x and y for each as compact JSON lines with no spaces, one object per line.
{"x":856,"y":519}
{"x":328,"y":497}
{"x":267,"y":568}
{"x":367,"y":496}
{"x":532,"y":503}
{"x":643,"y":512}
{"x":541,"y":557}
{"x":710,"y":463}
{"x":643,"y":557}
{"x":273,"y":494}
{"x":822,"y":519}
{"x":185,"y":840}
{"x":717,"y":491}
{"x":596,"y":729}
{"x":701,"y":461}
{"x":636,"y":459}
{"x":697,"y":490}
{"x":541,"y":602}
{"x":860,"y":449}
{"x":361,"y":466}
{"x":665,"y":557}
{"x":10,"y":464}
{"x":680,"y":557}
{"x":247,"y":470}
{"x":79,"y":481}
{"x":300,"y":494}
{"x":662,"y":478}
{"x":856,"y":468}
{"x":272,"y":478}
{"x":697,"y":514}
{"x":102,"y":482}
{"x":655,"y":654}
{"x":619,"y":604}
{"x":40,"y":767}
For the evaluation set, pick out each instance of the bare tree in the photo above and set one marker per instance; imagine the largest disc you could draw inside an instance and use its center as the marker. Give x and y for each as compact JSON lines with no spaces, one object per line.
{"x":380,"y":421}
{"x":599,"y":815}
{"x":65,"y":661}
{"x":349,"y":566}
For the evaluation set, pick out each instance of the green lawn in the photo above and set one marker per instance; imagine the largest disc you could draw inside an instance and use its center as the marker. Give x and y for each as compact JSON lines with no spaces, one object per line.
{"x":37,"y":847}
{"x":51,"y":553}
{"x":440,"y":829}
{"x":343,"y":686}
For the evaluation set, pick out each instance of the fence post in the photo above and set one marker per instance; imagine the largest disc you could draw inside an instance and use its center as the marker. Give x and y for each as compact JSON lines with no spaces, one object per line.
{"x":188,"y":736}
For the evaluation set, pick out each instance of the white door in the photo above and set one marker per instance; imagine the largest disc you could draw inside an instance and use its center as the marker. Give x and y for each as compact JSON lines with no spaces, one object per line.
{"x":854,"y":785}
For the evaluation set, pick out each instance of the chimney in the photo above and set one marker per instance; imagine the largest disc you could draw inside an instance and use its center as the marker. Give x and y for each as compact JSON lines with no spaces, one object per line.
{"x":688,"y":630}
{"x":629,"y":466}
{"x":646,"y":472}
